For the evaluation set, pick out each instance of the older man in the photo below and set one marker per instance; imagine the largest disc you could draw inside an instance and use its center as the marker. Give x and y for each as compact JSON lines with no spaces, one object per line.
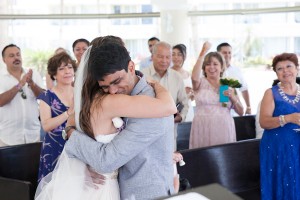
{"x":170,"y":79}
{"x":19,"y":113}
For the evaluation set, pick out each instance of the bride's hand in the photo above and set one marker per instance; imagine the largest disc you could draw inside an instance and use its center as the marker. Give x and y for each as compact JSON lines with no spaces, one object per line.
{"x":151,"y":82}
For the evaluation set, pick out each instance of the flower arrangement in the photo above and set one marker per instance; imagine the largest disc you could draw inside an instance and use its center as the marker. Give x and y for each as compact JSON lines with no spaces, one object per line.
{"x":230,"y":82}
{"x":233,"y":83}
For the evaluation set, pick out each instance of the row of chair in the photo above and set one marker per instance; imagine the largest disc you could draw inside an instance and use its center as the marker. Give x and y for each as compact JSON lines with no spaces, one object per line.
{"x":19,"y":171}
{"x":19,"y":164}
{"x":235,"y":166}
{"x":244,"y":126}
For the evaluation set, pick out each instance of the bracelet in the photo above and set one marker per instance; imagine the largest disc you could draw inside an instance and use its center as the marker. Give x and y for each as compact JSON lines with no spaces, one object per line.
{"x":282,"y":121}
{"x":19,"y":86}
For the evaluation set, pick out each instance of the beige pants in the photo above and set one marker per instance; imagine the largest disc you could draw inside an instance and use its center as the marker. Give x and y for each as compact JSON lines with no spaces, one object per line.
{"x":2,"y":144}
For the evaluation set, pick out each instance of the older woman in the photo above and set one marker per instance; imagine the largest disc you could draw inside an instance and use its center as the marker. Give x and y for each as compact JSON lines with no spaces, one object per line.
{"x":212,"y":123}
{"x":56,"y":105}
{"x":280,"y":144}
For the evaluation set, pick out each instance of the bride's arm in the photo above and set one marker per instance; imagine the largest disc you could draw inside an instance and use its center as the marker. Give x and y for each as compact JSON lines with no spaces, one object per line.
{"x":141,"y":106}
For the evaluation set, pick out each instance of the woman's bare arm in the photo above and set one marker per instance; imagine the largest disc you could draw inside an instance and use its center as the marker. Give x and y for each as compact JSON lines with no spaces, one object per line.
{"x":266,"y":119}
{"x":197,"y":70}
{"x":141,"y":106}
{"x":48,"y":122}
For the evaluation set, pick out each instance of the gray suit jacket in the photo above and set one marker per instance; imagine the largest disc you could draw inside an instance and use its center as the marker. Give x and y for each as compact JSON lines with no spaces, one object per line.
{"x":142,"y":152}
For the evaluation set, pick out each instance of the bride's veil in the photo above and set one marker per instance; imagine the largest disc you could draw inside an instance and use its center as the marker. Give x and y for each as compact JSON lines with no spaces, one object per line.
{"x":79,"y":81}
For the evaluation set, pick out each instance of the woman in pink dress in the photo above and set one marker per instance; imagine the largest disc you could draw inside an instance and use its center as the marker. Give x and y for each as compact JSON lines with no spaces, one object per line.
{"x":212,"y":123}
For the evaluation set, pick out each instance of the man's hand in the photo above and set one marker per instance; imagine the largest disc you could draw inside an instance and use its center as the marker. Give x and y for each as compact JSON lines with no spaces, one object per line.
{"x":177,"y":157}
{"x":23,"y":80}
{"x":96,"y":178}
{"x":29,"y":77}
{"x":177,"y":118}
{"x":71,"y":119}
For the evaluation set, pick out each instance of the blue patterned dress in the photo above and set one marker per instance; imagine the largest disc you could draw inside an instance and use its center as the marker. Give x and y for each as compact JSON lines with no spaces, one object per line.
{"x":280,"y":155}
{"x":53,"y":142}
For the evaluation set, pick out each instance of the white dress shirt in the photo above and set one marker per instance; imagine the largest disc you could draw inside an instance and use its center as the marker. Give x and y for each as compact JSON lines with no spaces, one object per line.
{"x":19,"y":122}
{"x":173,"y":82}
{"x":236,"y":73}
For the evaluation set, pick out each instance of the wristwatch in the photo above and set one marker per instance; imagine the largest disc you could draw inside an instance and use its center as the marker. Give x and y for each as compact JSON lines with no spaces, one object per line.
{"x":64,"y":133}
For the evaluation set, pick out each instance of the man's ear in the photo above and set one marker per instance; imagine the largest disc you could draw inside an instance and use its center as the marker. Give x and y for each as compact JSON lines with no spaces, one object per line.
{"x":131,"y":67}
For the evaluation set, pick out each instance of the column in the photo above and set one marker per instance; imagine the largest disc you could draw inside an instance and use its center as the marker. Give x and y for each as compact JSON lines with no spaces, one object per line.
{"x":174,"y":26}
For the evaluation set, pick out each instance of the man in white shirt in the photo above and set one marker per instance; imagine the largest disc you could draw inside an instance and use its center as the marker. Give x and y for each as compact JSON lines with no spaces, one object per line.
{"x":170,"y":79}
{"x":148,"y":61}
{"x":234,"y":72}
{"x":19,"y":122}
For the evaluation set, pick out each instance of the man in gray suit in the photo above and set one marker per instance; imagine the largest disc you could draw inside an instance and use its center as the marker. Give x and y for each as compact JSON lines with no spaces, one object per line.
{"x":143,"y":150}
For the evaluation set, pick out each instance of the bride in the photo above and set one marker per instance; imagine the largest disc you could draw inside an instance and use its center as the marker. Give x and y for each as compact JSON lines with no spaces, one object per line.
{"x":71,"y":178}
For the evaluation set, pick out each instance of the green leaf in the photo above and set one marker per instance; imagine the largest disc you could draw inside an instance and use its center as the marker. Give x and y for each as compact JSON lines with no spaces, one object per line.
{"x":230,"y":82}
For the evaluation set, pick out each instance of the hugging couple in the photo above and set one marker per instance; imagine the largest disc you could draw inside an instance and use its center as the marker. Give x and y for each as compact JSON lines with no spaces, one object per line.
{"x":108,"y":157}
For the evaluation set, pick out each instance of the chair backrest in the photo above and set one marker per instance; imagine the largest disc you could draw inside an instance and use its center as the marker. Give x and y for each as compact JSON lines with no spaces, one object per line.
{"x":245,"y":127}
{"x":235,"y":166}
{"x":183,"y":135}
{"x":12,"y":189}
{"x":21,"y":162}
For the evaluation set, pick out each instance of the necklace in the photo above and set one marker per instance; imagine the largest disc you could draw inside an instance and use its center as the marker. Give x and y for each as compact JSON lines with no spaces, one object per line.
{"x":283,"y":95}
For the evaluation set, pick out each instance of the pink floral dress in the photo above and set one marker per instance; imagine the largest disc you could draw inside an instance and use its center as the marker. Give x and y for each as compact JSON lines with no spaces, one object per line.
{"x":212,"y":123}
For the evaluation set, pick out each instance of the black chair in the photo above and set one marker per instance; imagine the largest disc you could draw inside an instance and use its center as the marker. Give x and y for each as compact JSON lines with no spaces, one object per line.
{"x":245,"y":127}
{"x":12,"y":189}
{"x":183,"y":135}
{"x":19,"y":171}
{"x":235,"y":166}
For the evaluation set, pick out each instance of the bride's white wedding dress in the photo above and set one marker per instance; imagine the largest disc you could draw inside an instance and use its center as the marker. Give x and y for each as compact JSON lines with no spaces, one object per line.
{"x":71,"y":180}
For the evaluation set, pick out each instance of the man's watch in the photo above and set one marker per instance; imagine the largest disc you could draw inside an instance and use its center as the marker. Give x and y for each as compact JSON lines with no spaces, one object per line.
{"x":65,"y":131}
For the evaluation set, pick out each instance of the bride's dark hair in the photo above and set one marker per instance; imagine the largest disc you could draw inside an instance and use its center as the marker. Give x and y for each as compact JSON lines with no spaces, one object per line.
{"x":89,"y":92}
{"x":92,"y":94}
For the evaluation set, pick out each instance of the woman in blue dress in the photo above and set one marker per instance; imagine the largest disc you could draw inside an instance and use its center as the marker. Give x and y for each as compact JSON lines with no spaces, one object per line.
{"x":56,"y":104}
{"x":280,"y":144}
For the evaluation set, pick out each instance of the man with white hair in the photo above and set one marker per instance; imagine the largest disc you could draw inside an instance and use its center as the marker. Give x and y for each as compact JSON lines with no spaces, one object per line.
{"x":160,"y":71}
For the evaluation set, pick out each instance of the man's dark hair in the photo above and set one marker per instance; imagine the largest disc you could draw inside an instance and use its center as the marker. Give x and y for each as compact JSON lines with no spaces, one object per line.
{"x":8,"y":46}
{"x":105,"y":59}
{"x":153,"y":38}
{"x":98,"y":41}
{"x":224,"y":44}
{"x":108,"y":59}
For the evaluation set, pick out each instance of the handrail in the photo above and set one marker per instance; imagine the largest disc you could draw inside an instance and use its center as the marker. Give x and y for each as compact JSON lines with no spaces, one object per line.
{"x":150,"y":14}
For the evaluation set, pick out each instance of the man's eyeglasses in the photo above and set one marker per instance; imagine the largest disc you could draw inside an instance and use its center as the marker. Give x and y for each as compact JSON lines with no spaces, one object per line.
{"x":23,"y":94}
